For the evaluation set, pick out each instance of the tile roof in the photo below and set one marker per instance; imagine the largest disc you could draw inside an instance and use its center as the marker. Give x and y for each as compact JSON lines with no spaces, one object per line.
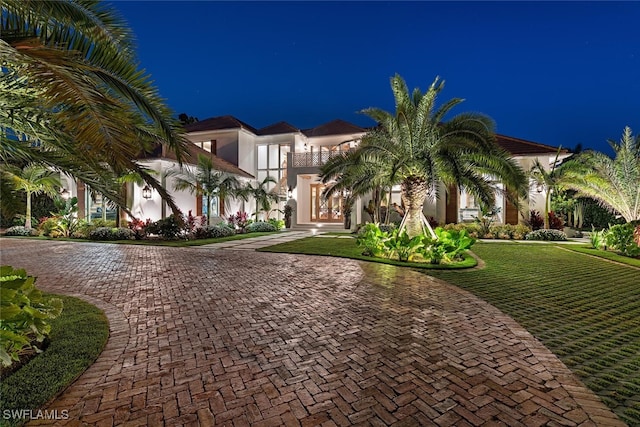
{"x":278,"y":128}
{"x":518,"y":146}
{"x":219,"y":123}
{"x":160,"y":151}
{"x":335,"y":127}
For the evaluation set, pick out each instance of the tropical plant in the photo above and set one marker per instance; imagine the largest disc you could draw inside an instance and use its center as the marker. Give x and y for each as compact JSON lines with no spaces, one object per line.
{"x":140,"y":228}
{"x":170,"y":227}
{"x":371,"y":239}
{"x":486,"y":220}
{"x":261,"y":226}
{"x":33,"y":179}
{"x":400,"y":245}
{"x":288,"y":213}
{"x":448,"y":245}
{"x":206,"y":181}
{"x":238,"y":221}
{"x":614,"y":182}
{"x":73,"y":96}
{"x":261,"y":195}
{"x":19,"y":230}
{"x":547,"y":181}
{"x":25,"y":314}
{"x":421,"y":151}
{"x":621,"y":238}
{"x":546,"y":234}
{"x":597,"y":238}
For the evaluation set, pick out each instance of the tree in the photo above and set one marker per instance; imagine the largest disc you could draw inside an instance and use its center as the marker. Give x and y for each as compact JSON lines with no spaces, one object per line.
{"x":32,"y":179}
{"x":350,"y":171}
{"x":425,"y":151}
{"x":613,"y":182}
{"x":261,"y":194}
{"x":206,"y":181}
{"x":73,"y":96}
{"x":547,"y":181}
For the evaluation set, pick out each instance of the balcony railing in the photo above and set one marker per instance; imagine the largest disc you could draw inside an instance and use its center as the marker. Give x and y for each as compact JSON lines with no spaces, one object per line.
{"x":315,"y":159}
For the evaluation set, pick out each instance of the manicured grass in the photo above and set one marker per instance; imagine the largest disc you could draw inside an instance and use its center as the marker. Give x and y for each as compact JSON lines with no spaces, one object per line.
{"x":612,"y":256}
{"x":77,"y":336}
{"x":172,"y":243}
{"x":585,"y":310}
{"x":347,"y":248}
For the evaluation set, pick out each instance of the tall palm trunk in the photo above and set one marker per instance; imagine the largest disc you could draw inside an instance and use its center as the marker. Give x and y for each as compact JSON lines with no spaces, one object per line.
{"x":414,"y":193}
{"x":27,"y":221}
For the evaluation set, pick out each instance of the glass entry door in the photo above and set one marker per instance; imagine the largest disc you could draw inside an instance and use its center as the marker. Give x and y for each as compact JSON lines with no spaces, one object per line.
{"x":325,"y":209}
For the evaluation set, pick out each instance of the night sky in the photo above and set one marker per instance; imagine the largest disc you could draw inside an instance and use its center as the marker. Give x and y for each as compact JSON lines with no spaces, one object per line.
{"x":550,"y":72}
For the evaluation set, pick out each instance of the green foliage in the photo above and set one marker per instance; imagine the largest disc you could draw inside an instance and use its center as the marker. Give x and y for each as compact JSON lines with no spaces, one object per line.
{"x":214,"y":231}
{"x":486,"y":220}
{"x":19,"y":230}
{"x":549,"y":235}
{"x":597,"y":238}
{"x":371,"y":239}
{"x":261,"y":226}
{"x":621,"y":238}
{"x":449,"y":245}
{"x":399,"y":244}
{"x":277,"y":223}
{"x":597,"y":216}
{"x":76,"y":339}
{"x":25,"y":314}
{"x":109,"y":233}
{"x":168,"y":228}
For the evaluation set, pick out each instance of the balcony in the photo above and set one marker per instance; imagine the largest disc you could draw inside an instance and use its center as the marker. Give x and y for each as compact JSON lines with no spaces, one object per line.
{"x":310,"y":160}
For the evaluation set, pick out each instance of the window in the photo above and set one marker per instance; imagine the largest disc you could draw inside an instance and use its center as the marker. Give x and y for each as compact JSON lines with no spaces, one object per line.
{"x":214,"y":206}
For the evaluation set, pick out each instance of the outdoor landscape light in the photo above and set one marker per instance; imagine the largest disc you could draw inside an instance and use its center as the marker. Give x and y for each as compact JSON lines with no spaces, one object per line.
{"x":146,"y":192}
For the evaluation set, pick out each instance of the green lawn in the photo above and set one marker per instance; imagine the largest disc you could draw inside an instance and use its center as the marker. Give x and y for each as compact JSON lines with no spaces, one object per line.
{"x":347,"y":248}
{"x":585,"y":310}
{"x":77,"y":336}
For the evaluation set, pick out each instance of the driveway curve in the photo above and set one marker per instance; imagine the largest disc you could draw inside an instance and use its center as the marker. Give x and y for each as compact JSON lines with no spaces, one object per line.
{"x":221,"y":337}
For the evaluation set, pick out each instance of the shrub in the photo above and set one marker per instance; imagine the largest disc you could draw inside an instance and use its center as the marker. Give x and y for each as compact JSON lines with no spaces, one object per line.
{"x":25,"y":314}
{"x":521,"y":231}
{"x":387,"y":228}
{"x":169,"y":228}
{"x":139,"y":227}
{"x":400,"y":245}
{"x":213,"y":231}
{"x":449,"y":245}
{"x":48,"y":226}
{"x":536,"y":221}
{"x":239,"y":221}
{"x":597,"y":238}
{"x":20,"y":230}
{"x":555,"y":222}
{"x":371,"y":239}
{"x":108,"y":233}
{"x":550,"y":235}
{"x":620,"y":237}
{"x":260,"y":226}
{"x":277,"y":223}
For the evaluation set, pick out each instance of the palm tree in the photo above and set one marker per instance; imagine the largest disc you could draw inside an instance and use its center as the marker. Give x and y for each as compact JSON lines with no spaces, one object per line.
{"x":549,"y":180}
{"x":206,"y":181}
{"x":425,"y":151}
{"x":32,"y":179}
{"x":261,"y":194}
{"x":350,"y":171}
{"x":613,"y":182}
{"x":73,"y":96}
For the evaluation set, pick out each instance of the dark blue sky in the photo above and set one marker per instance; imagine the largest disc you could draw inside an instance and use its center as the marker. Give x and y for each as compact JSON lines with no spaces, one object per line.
{"x":551,"y":72}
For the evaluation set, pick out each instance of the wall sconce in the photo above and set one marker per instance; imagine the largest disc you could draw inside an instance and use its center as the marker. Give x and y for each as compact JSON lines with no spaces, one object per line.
{"x":146,"y":192}
{"x":539,"y":188}
{"x":64,"y":194}
{"x":289,"y":193}
{"x":306,"y":147}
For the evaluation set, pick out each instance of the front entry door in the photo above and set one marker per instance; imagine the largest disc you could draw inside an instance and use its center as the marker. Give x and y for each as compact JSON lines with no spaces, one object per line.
{"x":325,"y":210}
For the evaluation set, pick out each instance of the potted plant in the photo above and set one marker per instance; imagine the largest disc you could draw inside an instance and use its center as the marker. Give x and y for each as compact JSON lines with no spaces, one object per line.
{"x":288,"y":211}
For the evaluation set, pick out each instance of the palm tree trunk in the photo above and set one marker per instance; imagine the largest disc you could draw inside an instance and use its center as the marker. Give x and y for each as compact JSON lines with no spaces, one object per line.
{"x":208,"y":209}
{"x":27,"y":220}
{"x":546,"y":209}
{"x":414,"y":193}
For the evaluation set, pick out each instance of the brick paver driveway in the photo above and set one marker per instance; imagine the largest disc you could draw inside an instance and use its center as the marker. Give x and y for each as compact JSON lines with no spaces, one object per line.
{"x":203,"y":337}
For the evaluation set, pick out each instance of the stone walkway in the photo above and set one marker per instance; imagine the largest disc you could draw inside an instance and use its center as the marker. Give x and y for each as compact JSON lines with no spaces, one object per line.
{"x":212,"y":337}
{"x":254,"y":243}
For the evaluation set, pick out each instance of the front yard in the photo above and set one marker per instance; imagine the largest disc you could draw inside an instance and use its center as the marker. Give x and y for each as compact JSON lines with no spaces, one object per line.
{"x":584,"y":309}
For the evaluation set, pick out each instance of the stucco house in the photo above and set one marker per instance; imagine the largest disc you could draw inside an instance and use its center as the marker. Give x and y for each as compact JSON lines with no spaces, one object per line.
{"x":292,"y":156}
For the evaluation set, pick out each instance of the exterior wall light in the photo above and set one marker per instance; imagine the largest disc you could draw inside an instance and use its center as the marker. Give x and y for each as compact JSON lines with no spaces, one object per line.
{"x":146,"y":192}
{"x":289,"y":193}
{"x":539,"y":188}
{"x":65,"y":194}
